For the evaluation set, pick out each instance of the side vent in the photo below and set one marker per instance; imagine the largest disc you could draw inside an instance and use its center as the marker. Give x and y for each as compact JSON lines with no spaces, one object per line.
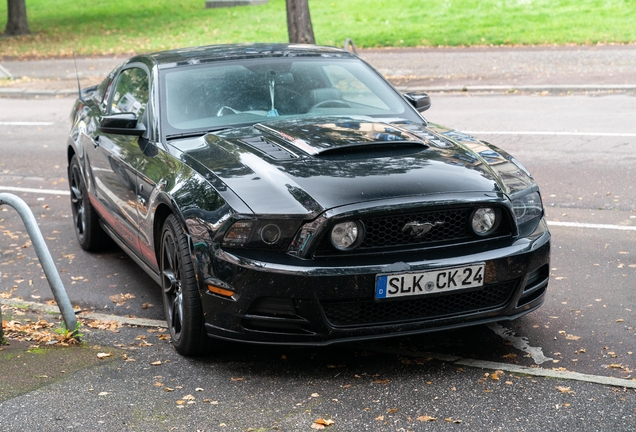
{"x":268,"y":148}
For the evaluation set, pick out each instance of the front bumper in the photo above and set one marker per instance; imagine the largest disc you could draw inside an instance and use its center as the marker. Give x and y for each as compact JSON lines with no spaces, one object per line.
{"x":318,"y":302}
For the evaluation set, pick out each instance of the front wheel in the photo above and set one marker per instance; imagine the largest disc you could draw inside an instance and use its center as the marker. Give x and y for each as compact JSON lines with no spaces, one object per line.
{"x":181,"y":299}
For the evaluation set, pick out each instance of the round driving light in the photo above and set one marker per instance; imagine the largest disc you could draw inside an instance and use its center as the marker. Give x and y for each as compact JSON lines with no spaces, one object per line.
{"x":484,"y":221}
{"x":270,"y":234}
{"x":344,"y":236}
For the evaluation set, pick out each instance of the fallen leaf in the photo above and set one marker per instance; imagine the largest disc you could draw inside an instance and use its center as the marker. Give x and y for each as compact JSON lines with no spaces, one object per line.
{"x":380,"y":418}
{"x":496,"y":374}
{"x":324,"y":422}
{"x":120,"y":299}
{"x":104,"y":355}
{"x":384,"y":381}
{"x":564,"y":389}
{"x":426,"y":418}
{"x":237,"y":379}
{"x":572,"y":337}
{"x":156,"y":363}
{"x":392,"y":410}
{"x":188,"y":397}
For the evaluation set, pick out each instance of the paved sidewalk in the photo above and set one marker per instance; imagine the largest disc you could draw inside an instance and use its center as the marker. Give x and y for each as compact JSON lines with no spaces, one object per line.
{"x":572,"y":68}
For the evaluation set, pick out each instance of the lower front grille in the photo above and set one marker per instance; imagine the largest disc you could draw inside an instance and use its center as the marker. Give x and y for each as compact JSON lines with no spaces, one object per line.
{"x":370,"y":312}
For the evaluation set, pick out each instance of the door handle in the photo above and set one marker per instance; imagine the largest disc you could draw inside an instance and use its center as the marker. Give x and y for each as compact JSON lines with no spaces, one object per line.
{"x":96,"y":141}
{"x":141,"y":201}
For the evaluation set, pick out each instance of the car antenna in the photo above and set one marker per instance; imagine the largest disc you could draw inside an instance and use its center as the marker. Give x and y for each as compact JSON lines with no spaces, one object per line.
{"x":79,"y":88}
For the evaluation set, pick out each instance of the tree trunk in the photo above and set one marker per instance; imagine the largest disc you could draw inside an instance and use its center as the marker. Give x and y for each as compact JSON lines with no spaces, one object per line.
{"x":17,"y":18}
{"x":299,"y":22}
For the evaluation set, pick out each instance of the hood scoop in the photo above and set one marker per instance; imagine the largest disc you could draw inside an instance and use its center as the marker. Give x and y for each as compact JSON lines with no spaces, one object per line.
{"x":268,"y":148}
{"x":340,"y":135}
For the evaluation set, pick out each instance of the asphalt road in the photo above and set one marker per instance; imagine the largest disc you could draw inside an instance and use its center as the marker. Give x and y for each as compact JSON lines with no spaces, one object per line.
{"x":580,"y":150}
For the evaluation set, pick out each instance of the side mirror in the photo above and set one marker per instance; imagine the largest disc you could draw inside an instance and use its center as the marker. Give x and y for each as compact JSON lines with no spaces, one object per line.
{"x":420,"y":101}
{"x":121,"y":124}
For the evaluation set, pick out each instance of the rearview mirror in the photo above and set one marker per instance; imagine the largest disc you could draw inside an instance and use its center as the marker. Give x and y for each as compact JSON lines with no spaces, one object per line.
{"x":420,"y":101}
{"x":121,"y":124}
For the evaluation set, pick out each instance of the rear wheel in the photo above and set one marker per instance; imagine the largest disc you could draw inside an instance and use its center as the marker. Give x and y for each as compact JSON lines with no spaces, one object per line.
{"x":89,"y":234}
{"x":181,"y":299}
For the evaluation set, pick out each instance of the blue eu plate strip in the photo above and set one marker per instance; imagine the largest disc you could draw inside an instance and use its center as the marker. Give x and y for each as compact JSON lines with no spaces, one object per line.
{"x":380,"y":286}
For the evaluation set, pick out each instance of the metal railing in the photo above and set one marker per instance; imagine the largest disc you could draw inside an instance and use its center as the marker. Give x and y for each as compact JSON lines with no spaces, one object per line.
{"x":50,"y":271}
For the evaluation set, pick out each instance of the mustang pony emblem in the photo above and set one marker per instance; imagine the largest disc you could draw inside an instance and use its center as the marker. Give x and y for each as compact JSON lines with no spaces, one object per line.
{"x":418,"y":229}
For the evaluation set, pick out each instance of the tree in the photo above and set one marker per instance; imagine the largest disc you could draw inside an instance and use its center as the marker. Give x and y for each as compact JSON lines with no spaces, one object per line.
{"x":17,"y":18}
{"x":299,"y":22}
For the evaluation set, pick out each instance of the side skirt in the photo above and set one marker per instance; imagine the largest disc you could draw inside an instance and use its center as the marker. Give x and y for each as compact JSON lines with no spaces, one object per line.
{"x":153,"y":274}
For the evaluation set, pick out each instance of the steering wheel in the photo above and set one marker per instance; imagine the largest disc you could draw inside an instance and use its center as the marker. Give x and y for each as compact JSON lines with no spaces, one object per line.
{"x":332,"y":103}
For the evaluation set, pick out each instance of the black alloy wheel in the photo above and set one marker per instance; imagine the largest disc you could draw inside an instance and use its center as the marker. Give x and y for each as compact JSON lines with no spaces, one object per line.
{"x":181,"y":299}
{"x":89,"y":234}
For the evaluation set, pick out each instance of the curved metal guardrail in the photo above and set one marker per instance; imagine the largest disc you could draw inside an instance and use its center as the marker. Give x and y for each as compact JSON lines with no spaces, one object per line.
{"x":50,"y":271}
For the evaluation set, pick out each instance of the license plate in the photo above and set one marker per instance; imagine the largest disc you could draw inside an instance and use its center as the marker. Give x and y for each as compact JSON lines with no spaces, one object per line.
{"x":430,"y":282}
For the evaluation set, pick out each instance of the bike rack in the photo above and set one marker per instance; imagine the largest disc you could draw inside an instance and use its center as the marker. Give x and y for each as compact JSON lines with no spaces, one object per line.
{"x":52,"y":276}
{"x":350,"y":46}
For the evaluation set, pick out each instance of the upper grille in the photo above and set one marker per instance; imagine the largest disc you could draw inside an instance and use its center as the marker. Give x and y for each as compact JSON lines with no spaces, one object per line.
{"x":388,"y":231}
{"x":369,"y":312}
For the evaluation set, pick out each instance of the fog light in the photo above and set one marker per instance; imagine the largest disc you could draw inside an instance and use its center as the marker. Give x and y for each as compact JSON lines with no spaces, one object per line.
{"x":484,"y":221}
{"x":345,"y":235}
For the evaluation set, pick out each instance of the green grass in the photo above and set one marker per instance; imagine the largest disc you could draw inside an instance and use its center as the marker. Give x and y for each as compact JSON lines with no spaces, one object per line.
{"x":91,"y":27}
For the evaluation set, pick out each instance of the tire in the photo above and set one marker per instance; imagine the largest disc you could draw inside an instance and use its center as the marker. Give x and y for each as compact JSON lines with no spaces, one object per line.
{"x":89,"y":234}
{"x":181,"y":298}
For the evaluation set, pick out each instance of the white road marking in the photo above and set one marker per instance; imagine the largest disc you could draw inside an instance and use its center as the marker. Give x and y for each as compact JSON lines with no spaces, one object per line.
{"x":35,"y":191}
{"x":592,"y":134}
{"x":521,"y":343}
{"x":592,"y":226}
{"x":24,"y":123}
{"x":507,"y":367}
{"x":549,"y":373}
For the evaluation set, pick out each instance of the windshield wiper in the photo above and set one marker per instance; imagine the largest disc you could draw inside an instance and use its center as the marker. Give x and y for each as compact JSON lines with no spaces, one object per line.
{"x":195,"y":133}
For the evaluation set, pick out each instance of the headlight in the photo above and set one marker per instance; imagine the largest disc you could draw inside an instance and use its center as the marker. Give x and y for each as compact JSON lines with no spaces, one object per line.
{"x":485,"y":220}
{"x":346,"y":235}
{"x":527,"y":207}
{"x":260,"y":234}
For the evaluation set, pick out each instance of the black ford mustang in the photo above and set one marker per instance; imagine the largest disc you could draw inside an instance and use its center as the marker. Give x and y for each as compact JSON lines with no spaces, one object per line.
{"x":288,"y":194}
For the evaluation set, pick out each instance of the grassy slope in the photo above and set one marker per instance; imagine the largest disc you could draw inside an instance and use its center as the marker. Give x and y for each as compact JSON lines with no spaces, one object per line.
{"x":125,"y":26}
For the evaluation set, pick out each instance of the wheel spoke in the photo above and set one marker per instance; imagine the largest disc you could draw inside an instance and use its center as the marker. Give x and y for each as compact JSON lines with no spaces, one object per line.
{"x":169,"y":282}
{"x":80,"y":223}
{"x":76,"y":194}
{"x":175,"y":316}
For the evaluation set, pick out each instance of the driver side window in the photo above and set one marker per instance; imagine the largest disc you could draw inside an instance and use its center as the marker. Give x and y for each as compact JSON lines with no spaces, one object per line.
{"x":131,"y":92}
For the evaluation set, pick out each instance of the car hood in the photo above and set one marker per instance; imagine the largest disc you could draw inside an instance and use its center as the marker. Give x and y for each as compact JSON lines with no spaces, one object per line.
{"x":308,"y":166}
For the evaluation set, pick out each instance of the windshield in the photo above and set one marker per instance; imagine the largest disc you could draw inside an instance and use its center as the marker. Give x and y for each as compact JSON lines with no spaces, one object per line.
{"x":233,"y":93}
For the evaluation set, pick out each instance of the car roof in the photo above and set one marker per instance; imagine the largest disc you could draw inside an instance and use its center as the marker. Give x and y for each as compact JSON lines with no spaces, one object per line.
{"x":211,"y":53}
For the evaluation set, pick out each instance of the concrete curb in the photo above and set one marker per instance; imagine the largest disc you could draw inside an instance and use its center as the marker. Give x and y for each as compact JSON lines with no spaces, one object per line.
{"x":50,"y":309}
{"x":459,"y":361}
{"x":29,"y":93}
